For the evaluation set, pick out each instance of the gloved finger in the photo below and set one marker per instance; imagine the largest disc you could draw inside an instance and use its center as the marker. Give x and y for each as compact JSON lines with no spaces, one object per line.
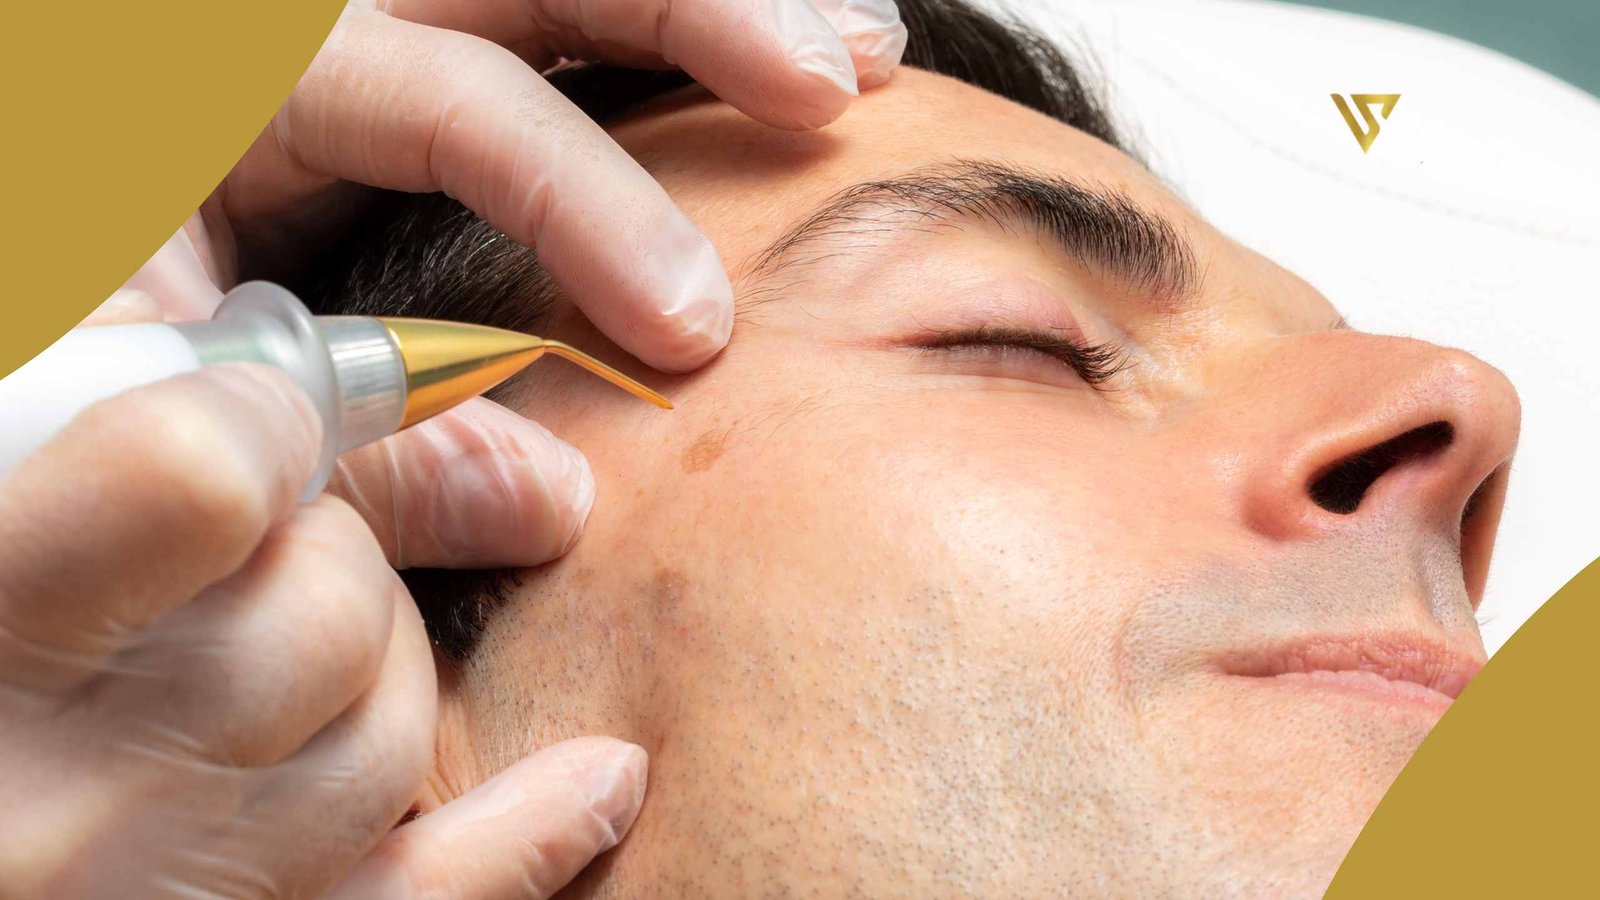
{"x":287,"y":830}
{"x":523,"y":833}
{"x":408,"y":107}
{"x":177,"y":277}
{"x":475,"y":487}
{"x":138,"y":504}
{"x":874,"y":33}
{"x":262,"y":660}
{"x":359,"y":775}
{"x":125,"y":306}
{"x":788,"y":63}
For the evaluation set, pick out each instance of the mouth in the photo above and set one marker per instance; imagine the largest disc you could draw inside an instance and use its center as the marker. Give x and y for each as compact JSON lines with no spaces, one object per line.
{"x":1397,"y":669}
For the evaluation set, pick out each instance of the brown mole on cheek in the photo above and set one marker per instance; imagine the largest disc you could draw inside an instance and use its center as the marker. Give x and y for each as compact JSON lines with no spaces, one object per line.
{"x":706,"y":450}
{"x":666,"y":594}
{"x":666,"y":588}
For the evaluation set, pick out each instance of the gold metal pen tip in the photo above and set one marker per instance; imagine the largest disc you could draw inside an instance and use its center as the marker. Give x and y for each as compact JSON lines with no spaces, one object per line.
{"x":447,"y":362}
{"x":573,"y":354}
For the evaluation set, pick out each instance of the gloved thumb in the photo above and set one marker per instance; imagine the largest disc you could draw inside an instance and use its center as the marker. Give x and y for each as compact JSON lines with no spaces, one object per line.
{"x":475,"y":487}
{"x":523,"y":833}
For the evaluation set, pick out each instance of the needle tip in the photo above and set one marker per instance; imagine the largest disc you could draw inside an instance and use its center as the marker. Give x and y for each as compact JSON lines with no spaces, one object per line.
{"x":572,"y":354}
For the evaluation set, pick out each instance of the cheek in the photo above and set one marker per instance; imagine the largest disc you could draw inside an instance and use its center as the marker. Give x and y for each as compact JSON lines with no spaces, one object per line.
{"x":846,"y":502}
{"x":1042,"y":521}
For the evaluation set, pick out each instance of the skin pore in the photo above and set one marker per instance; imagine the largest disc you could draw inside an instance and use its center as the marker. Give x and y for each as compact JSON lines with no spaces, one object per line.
{"x":900,"y":604}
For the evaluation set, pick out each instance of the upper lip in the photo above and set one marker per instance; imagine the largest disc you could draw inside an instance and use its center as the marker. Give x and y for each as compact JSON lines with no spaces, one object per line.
{"x":1397,"y":657}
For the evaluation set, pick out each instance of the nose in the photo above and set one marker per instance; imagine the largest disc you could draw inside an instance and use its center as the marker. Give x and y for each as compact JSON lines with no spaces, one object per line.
{"x":1385,"y":432}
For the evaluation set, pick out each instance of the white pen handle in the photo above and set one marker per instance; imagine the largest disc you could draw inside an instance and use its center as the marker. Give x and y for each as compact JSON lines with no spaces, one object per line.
{"x":84,"y":367}
{"x":350,"y":367}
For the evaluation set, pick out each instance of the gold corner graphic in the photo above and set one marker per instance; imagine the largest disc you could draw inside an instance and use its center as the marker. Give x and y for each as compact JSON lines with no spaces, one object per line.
{"x":1500,"y":799}
{"x":1365,"y":103}
{"x":120,"y":124}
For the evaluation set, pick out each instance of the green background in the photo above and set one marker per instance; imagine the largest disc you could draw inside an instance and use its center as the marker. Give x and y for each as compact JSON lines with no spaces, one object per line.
{"x":1561,"y":37}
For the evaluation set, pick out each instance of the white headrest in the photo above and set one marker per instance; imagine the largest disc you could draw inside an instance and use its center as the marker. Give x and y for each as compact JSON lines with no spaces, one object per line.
{"x":1473,"y":221}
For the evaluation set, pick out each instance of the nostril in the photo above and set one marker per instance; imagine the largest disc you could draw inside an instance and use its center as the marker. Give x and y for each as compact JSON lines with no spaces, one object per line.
{"x":1340,"y":487}
{"x":1475,"y":501}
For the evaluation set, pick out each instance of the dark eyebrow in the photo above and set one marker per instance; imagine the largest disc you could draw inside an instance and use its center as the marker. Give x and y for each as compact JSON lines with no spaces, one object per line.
{"x":1103,"y":229}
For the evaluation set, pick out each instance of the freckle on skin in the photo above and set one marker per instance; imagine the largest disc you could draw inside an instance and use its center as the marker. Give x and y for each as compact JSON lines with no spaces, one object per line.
{"x":706,"y":450}
{"x":666,"y":589}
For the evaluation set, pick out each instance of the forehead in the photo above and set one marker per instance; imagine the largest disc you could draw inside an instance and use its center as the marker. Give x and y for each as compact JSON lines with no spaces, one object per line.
{"x":745,"y":183}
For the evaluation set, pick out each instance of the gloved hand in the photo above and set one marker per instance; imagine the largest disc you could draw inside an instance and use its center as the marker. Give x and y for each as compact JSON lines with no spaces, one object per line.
{"x":432,"y":83}
{"x":431,"y":95}
{"x":477,"y":486}
{"x":207,"y":690}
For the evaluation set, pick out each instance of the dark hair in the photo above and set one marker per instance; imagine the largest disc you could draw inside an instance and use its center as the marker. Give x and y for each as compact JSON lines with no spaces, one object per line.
{"x":426,"y":255}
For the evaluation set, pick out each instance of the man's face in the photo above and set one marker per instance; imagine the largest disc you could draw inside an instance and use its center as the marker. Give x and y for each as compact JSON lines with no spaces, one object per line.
{"x":901,"y":603}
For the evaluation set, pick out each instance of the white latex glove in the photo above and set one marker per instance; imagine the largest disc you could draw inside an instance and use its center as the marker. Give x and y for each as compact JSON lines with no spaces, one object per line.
{"x":445,"y":95}
{"x":477,"y":486}
{"x":431,"y":83}
{"x":207,"y":690}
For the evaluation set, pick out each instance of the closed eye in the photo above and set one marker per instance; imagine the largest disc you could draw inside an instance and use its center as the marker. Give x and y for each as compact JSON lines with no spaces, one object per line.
{"x":1095,"y":363}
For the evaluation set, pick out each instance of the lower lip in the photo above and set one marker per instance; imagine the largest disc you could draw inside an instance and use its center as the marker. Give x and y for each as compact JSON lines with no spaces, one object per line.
{"x":1368,"y":686}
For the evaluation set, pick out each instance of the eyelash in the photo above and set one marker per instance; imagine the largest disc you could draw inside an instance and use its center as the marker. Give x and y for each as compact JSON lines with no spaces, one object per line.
{"x":1094,"y":363}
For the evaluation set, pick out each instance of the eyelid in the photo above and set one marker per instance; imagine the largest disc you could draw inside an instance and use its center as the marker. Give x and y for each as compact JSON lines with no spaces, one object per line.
{"x":1094,"y":363}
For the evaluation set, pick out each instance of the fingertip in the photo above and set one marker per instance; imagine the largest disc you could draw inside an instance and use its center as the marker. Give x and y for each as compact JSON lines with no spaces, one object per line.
{"x":818,"y":110}
{"x":874,"y":34}
{"x":681,"y":312}
{"x":697,"y":318}
{"x":811,"y":42}
{"x":523,"y":493}
{"x":609,"y":773}
{"x":525,"y":832}
{"x":578,"y":484}
{"x":816,"y":49}
{"x":877,"y":52}
{"x":626,"y":796}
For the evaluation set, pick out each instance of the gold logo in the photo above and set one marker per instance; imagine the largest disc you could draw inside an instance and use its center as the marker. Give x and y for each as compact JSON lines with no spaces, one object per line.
{"x":1365,"y":103}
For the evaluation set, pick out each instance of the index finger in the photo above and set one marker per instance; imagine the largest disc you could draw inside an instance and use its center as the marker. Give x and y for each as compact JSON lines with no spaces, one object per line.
{"x":463,"y":115}
{"x":787,"y":63}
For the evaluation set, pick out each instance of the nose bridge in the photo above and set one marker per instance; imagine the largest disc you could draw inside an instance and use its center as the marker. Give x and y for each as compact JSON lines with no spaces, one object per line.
{"x":1368,"y":427}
